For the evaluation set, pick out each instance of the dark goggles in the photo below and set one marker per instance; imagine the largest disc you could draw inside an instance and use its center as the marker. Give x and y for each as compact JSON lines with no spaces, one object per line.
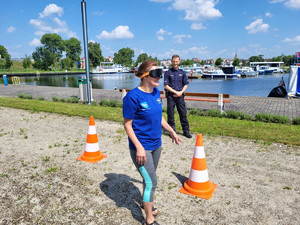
{"x":157,"y":73}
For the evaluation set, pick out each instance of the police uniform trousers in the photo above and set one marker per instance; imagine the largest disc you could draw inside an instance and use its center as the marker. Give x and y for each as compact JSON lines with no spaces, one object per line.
{"x":180,"y":105}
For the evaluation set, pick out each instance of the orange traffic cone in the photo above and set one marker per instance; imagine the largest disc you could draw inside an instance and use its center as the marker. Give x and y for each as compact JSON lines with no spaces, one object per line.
{"x":198,"y":183}
{"x":92,"y":153}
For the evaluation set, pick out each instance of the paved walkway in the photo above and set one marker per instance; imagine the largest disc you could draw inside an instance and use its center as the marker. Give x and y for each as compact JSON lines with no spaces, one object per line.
{"x":249,"y":105}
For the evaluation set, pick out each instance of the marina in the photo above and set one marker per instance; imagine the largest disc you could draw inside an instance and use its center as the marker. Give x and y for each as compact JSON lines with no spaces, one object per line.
{"x":258,"y":86}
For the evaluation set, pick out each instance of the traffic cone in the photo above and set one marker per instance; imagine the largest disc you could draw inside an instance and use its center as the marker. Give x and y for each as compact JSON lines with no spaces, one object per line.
{"x":92,"y":153}
{"x":198,"y":183}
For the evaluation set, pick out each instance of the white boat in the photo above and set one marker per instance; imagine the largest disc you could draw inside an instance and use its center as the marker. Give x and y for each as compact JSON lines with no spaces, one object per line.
{"x":190,"y":71}
{"x":246,"y":72}
{"x":265,"y":70}
{"x":109,"y":68}
{"x":217,"y":73}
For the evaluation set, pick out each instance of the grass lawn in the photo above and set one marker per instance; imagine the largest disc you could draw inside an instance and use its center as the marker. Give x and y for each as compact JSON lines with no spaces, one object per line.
{"x":266,"y":132}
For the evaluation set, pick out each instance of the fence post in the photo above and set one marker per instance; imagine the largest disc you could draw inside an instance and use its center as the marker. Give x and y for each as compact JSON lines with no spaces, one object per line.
{"x":220,"y":102}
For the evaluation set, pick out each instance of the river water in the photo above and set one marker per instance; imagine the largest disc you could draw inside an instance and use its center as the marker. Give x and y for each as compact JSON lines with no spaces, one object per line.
{"x":253,"y":86}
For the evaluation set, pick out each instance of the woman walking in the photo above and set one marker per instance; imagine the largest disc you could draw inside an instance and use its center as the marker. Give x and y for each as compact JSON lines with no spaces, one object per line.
{"x":143,"y":122}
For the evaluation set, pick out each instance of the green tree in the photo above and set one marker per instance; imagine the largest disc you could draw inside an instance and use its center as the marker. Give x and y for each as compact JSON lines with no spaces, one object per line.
{"x":43,"y":58}
{"x":73,"y":49}
{"x":187,"y":62}
{"x":6,"y":57}
{"x":53,"y":43}
{"x":95,"y":54}
{"x":218,"y":62}
{"x":236,"y":62}
{"x":259,"y":58}
{"x":202,"y":62}
{"x":26,"y":62}
{"x":124,"y":56}
{"x":141,"y":58}
{"x":288,"y":59}
{"x":67,"y":63}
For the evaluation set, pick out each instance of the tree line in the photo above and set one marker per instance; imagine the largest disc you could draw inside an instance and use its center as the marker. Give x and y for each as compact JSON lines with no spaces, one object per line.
{"x":49,"y":55}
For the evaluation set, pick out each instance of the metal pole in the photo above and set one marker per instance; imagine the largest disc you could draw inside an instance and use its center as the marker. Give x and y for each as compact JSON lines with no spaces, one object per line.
{"x":86,"y":51}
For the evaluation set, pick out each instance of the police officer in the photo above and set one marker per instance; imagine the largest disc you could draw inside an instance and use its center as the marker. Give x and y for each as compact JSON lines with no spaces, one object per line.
{"x":175,"y":82}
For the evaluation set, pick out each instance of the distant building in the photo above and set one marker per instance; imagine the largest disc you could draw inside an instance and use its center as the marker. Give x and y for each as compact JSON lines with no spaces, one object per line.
{"x":109,"y":59}
{"x":165,"y":62}
{"x":82,"y":63}
{"x":196,"y":59}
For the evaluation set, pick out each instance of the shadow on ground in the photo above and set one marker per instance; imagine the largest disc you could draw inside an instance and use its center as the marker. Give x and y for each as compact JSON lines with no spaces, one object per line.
{"x":120,"y":188}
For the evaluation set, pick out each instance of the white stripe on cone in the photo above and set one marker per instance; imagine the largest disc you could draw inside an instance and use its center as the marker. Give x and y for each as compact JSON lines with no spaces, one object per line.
{"x":199,"y":152}
{"x":199,"y":176}
{"x":92,"y":130}
{"x":92,"y":147}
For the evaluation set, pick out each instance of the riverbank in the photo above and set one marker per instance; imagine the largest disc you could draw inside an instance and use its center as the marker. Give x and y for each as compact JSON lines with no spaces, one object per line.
{"x":42,"y":183}
{"x":249,"y":105}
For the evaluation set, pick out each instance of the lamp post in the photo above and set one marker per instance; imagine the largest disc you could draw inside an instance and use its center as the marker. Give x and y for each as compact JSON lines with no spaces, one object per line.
{"x":86,"y":51}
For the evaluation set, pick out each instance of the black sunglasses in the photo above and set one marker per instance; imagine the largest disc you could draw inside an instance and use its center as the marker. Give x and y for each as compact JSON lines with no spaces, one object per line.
{"x":157,"y":73}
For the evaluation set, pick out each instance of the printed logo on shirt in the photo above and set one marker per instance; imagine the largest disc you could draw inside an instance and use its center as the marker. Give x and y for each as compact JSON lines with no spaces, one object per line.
{"x":144,"y":105}
{"x":158,"y":101}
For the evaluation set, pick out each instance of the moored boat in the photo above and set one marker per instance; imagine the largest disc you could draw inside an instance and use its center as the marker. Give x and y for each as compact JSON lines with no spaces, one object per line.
{"x":217,"y":74}
{"x":109,"y":68}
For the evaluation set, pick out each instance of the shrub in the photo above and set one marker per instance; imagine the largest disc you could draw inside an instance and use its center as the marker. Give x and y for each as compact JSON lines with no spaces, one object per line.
{"x":74,"y":100}
{"x":62,"y":100}
{"x":28,"y":96}
{"x":296,"y":121}
{"x":103,"y":102}
{"x":41,"y":98}
{"x":55,"y":99}
{"x":21,"y":95}
{"x":214,"y":113}
{"x":271,"y":118}
{"x":232,"y":114}
{"x":193,"y":111}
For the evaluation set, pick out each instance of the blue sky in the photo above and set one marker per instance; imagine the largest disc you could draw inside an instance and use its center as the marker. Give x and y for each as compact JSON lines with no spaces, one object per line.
{"x":191,"y":28}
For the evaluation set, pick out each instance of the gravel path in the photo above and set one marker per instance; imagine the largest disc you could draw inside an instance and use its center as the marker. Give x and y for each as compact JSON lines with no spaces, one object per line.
{"x":42,"y":183}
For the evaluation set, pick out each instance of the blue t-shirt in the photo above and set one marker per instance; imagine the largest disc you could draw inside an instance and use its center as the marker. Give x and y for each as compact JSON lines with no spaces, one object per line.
{"x":146,"y":111}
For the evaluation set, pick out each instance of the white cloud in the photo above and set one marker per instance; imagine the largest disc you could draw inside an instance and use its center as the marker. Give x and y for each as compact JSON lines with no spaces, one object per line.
{"x":51,"y":9}
{"x":198,"y":50}
{"x":160,"y":34}
{"x":197,"y":9}
{"x":276,"y":1}
{"x":268,"y":14}
{"x":178,"y":38}
{"x":295,"y":40}
{"x":48,"y":22}
{"x":97,"y":13}
{"x":11,"y":29}
{"x":119,"y":32}
{"x":35,"y":42}
{"x":197,"y":26}
{"x":257,"y":26}
{"x":160,"y":1}
{"x":292,"y":4}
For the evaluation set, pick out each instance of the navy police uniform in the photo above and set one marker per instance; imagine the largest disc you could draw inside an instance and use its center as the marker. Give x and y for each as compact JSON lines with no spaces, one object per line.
{"x":176,"y":79}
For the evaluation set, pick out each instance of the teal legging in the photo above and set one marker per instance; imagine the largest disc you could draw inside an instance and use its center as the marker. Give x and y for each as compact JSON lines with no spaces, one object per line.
{"x":148,"y":172}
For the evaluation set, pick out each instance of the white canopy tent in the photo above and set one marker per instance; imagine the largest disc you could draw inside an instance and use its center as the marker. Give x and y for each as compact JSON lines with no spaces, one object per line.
{"x":293,"y":88}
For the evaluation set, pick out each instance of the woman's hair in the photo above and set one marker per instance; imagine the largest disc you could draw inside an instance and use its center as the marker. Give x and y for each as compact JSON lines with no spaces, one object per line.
{"x":145,"y":67}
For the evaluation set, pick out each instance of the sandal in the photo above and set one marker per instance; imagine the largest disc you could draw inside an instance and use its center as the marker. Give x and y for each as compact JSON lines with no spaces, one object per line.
{"x":153,"y":210}
{"x":153,"y":223}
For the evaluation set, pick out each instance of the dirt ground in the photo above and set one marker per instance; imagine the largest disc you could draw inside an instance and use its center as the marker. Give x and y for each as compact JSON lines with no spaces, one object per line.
{"x":41,"y":182}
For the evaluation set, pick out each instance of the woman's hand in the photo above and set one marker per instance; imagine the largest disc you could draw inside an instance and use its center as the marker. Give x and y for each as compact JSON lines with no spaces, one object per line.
{"x":175,"y":137}
{"x":141,"y":156}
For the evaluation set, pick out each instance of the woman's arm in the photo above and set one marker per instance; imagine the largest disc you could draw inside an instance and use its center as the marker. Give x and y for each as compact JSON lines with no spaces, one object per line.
{"x":140,"y":151}
{"x":173,"y":134}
